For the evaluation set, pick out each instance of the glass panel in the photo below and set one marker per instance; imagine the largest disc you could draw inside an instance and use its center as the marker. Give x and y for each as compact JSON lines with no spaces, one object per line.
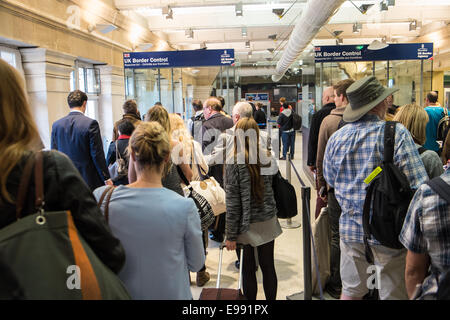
{"x":72,"y":81}
{"x":81,"y":82}
{"x":405,"y":75}
{"x":9,"y":57}
{"x":145,"y":88}
{"x":92,"y":81}
{"x":91,"y":109}
{"x":178,"y":106}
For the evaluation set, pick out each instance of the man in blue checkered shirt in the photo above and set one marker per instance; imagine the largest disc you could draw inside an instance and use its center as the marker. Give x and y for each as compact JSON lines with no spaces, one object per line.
{"x":352,"y":154}
{"x":426,"y":235}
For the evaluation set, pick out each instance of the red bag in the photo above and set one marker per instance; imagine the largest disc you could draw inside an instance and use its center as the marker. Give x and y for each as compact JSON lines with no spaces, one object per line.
{"x":224,"y":294}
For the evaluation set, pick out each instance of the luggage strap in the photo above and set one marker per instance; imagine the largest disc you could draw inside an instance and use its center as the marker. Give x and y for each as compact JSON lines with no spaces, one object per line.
{"x":441,"y":187}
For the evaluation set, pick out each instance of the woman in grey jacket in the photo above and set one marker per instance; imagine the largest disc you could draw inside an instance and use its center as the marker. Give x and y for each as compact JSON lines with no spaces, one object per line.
{"x":251,"y":217}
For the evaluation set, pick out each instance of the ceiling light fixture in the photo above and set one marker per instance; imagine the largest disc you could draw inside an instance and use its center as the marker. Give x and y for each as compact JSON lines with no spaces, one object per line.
{"x":383,"y":6}
{"x":273,"y":37}
{"x":271,"y":50}
{"x":377,"y":45}
{"x":145,"y":46}
{"x":278,"y":12}
{"x":168,"y":12}
{"x":203,"y":45}
{"x":190,"y":33}
{"x":337,"y":32}
{"x":238,"y":8}
{"x":362,"y":8}
{"x":413,"y":25}
{"x":247,"y":44}
{"x":103,"y":28}
{"x":244,"y":32}
{"x":249,"y":54}
{"x":357,"y":27}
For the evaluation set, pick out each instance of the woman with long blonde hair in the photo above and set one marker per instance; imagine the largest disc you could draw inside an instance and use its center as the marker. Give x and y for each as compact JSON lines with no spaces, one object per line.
{"x":188,"y":147}
{"x":415,"y":119}
{"x":64,"y":188}
{"x":251,"y":218}
{"x":171,"y":179}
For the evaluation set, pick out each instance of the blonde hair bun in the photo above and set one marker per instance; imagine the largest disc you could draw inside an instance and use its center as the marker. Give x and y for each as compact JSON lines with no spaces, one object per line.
{"x":150,"y":143}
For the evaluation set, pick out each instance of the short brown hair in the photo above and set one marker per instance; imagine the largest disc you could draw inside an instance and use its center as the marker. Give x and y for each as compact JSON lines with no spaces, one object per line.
{"x":214,"y":103}
{"x":197,"y":104}
{"x":342,"y":86}
{"x":432,"y":96}
{"x":130,"y":106}
{"x":283,"y":100}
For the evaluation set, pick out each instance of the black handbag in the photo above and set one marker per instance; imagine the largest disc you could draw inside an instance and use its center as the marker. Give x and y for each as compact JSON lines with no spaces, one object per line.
{"x":285,"y":197}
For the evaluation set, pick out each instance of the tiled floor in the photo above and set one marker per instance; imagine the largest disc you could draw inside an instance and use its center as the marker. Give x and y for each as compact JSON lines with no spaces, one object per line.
{"x":288,"y":250}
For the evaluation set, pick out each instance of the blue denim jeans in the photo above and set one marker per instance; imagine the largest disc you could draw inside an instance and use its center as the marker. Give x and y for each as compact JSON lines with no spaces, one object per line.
{"x":288,"y":143}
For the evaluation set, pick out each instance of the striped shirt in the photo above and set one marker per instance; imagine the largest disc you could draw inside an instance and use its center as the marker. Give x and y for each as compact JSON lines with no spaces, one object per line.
{"x":352,"y":154}
{"x":427,"y":230}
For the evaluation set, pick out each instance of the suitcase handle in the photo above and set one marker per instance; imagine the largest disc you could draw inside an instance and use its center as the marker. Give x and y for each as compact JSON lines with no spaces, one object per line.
{"x":219,"y":273}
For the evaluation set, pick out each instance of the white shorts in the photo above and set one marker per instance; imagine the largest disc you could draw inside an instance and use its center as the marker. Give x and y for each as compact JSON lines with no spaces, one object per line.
{"x":388,"y":274}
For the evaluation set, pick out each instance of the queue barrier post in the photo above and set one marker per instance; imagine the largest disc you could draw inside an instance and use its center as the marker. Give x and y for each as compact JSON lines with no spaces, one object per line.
{"x":306,"y":218}
{"x":288,"y":223}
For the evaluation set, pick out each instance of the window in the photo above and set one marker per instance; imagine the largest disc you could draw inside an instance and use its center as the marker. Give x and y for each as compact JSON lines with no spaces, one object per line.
{"x":86,"y":78}
{"x":12,"y":56}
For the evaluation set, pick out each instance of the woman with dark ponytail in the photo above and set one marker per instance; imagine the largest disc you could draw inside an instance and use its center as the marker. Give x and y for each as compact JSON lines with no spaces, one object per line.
{"x":251,"y":218}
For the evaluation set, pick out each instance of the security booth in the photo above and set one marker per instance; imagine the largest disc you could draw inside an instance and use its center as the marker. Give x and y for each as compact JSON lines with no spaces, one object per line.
{"x":175,"y":78}
{"x":406,"y":66}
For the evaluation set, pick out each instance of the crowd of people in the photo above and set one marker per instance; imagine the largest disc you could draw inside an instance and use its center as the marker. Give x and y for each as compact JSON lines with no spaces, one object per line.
{"x":134,"y":209}
{"x":348,"y":148}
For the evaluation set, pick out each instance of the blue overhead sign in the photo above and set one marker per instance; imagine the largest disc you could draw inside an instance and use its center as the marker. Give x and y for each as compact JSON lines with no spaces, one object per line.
{"x":395,"y":51}
{"x":178,"y":59}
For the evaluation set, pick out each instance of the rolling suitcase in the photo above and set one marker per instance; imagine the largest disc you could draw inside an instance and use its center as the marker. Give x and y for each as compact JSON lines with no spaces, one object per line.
{"x":225,"y":294}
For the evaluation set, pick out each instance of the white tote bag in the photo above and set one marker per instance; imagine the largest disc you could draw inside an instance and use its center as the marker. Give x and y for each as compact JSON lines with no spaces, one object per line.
{"x":209,"y":188}
{"x":322,"y":240}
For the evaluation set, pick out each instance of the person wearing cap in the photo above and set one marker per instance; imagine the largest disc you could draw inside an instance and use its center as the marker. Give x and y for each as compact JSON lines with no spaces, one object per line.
{"x":351,"y":155}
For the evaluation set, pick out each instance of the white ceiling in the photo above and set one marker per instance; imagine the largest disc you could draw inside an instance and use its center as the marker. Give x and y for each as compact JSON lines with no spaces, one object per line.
{"x":215,"y":24}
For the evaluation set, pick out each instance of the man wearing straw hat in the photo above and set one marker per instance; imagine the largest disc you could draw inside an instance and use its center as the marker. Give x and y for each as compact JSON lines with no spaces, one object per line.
{"x":352,"y":154}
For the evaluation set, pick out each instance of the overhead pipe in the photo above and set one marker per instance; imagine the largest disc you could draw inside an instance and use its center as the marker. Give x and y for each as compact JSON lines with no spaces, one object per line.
{"x":314,"y":16}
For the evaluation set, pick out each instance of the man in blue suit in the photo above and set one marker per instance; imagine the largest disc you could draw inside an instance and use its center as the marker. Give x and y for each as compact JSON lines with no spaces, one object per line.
{"x":79,"y":138}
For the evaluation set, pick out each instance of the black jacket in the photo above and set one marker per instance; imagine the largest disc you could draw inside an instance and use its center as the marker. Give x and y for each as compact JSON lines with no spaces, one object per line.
{"x":212,"y":127}
{"x":79,"y":138}
{"x":260,"y":118}
{"x":316,"y":121}
{"x":285,"y":120}
{"x":111,"y":158}
{"x":64,"y":189}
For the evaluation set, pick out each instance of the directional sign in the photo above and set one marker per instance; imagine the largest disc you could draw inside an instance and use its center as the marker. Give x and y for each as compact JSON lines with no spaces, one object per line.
{"x":395,"y":51}
{"x":178,"y":59}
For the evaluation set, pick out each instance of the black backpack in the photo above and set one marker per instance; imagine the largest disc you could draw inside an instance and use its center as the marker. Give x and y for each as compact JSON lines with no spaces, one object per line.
{"x":285,"y":197}
{"x":443,"y":190}
{"x":389,"y":195}
{"x":296,"y":121}
{"x":443,"y":126}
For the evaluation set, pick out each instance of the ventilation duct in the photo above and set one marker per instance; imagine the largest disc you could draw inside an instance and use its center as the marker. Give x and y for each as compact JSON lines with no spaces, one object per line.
{"x":314,"y":16}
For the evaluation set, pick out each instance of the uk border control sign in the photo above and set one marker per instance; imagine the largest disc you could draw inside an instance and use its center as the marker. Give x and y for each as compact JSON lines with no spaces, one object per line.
{"x":178,"y":59}
{"x":395,"y":51}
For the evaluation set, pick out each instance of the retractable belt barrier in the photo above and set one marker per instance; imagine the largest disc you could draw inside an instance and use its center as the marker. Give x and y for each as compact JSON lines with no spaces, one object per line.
{"x":307,"y":234}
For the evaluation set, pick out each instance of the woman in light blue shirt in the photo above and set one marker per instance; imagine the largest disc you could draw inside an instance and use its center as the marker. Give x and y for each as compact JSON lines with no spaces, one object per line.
{"x":159,"y":229}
